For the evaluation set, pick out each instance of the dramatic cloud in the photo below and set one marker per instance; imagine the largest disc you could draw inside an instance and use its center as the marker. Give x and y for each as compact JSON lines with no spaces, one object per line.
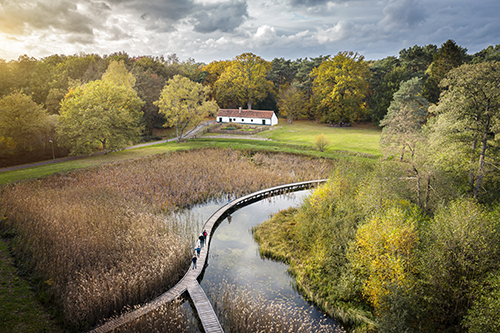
{"x":221,"y":29}
{"x":224,"y":17}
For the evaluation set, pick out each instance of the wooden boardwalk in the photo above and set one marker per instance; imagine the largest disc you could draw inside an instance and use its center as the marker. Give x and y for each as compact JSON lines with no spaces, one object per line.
{"x":190,"y":280}
{"x":204,"y":308}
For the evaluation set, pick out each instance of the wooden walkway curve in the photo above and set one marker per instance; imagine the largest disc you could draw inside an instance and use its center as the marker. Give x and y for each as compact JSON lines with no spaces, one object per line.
{"x":189,"y":282}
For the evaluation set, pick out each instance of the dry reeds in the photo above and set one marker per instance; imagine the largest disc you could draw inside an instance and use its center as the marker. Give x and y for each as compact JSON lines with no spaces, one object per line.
{"x":100,"y":238}
{"x":240,"y":312}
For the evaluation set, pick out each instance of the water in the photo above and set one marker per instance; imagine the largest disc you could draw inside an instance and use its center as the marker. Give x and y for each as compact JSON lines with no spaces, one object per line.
{"x":234,"y":256}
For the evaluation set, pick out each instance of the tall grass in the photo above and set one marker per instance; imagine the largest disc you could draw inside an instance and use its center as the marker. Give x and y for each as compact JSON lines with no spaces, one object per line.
{"x":102,"y":239}
{"x":240,"y":312}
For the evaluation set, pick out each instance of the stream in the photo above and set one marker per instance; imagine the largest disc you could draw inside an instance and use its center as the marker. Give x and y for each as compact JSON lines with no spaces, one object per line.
{"x":234,"y":256}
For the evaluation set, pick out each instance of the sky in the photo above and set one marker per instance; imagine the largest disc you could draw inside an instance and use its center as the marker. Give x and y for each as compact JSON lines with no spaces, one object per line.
{"x":208,"y":30}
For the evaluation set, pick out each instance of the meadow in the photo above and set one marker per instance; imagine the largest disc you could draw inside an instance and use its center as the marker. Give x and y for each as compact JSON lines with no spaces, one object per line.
{"x":99,"y":239}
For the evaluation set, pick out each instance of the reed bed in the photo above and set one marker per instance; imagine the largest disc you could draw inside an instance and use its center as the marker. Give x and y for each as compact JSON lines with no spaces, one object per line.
{"x":240,"y":312}
{"x":171,"y":317}
{"x":103,"y":239}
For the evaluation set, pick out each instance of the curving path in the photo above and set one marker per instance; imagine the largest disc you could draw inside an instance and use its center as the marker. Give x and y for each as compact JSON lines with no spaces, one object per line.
{"x":189,"y":282}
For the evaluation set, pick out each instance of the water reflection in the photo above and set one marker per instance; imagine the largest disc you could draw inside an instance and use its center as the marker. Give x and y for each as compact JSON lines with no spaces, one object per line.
{"x":234,"y":256}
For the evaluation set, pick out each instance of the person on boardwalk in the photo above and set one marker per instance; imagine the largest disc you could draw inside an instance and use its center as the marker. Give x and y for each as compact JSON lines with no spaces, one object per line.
{"x":202,"y":240}
{"x":198,"y":250}
{"x":194,"y":261}
{"x":204,"y":234}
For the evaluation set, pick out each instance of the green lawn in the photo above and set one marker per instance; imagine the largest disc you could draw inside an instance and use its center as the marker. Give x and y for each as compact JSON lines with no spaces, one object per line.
{"x":359,"y":138}
{"x":297,"y":137}
{"x":19,"y":309}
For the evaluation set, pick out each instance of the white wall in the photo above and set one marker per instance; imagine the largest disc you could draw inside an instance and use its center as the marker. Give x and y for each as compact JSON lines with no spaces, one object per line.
{"x":249,"y":121}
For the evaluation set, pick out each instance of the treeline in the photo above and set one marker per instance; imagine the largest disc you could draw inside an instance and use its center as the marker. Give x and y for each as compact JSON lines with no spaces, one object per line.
{"x":331,"y":89}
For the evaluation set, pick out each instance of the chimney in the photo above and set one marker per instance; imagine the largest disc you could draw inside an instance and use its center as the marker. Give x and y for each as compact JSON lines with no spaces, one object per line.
{"x":240,"y":109}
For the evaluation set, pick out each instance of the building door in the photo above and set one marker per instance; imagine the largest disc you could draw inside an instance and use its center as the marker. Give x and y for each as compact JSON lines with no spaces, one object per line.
{"x":263,"y":121}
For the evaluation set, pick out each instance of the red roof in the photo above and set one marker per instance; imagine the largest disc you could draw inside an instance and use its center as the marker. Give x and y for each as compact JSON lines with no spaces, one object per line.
{"x":245,"y":113}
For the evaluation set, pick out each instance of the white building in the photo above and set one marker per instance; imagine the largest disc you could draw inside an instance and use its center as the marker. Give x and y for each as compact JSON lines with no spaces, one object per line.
{"x":247,"y":117}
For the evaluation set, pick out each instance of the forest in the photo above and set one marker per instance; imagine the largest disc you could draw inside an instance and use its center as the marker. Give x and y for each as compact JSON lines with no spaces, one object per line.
{"x":330,"y":89}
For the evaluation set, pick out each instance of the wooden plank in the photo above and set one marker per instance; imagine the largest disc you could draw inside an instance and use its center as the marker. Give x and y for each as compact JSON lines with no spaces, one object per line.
{"x":204,"y":309}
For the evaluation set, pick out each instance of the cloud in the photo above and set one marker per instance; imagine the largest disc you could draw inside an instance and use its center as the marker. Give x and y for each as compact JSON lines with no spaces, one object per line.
{"x":22,"y":17}
{"x":340,"y":31}
{"x":400,"y":14}
{"x":224,"y":17}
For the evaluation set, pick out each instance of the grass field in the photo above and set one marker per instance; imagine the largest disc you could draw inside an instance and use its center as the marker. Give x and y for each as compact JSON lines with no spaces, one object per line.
{"x":298,"y":138}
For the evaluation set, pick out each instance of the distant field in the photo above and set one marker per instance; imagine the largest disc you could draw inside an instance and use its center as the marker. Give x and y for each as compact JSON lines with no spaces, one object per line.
{"x":297,"y":137}
{"x":359,"y":138}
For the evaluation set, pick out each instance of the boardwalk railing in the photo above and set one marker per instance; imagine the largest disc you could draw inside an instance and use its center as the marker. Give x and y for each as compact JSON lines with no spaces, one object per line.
{"x":189,"y":281}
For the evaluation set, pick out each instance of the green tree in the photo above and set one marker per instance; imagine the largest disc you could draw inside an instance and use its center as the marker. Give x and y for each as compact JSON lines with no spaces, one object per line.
{"x":468,"y":118}
{"x":118,"y":74}
{"x":149,"y":86}
{"x":184,"y":103}
{"x":484,"y":315}
{"x":459,"y":249}
{"x":22,"y":123}
{"x":340,"y":87}
{"x":387,"y":75}
{"x":245,"y":81}
{"x":292,"y":103}
{"x":99,"y":114}
{"x":402,"y":126}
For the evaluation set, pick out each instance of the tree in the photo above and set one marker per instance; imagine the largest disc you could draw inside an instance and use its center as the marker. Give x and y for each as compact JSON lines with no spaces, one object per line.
{"x":459,"y":250}
{"x":385,"y":253}
{"x":340,"y":87}
{"x":184,"y":103}
{"x":245,"y":81}
{"x":22,"y":123}
{"x":321,"y":141}
{"x":99,"y":114}
{"x":292,"y":103}
{"x":149,"y":86}
{"x":468,"y":118}
{"x":402,"y":125}
{"x":118,"y":74}
{"x":214,"y":70}
{"x":387,"y":75}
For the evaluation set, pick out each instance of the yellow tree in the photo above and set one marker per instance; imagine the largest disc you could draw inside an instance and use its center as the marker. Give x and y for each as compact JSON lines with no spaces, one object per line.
{"x":118,"y":74}
{"x":292,"y":103}
{"x":184,"y":103}
{"x":214,"y":71}
{"x":244,"y":82}
{"x":340,"y":87}
{"x":384,"y":252}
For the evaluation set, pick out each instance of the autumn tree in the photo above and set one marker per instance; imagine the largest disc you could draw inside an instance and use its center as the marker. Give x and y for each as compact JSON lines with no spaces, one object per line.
{"x":292,"y":103}
{"x":214,"y":70}
{"x":244,"y":82}
{"x":184,"y":103}
{"x":384,"y":253}
{"x":468,"y":118}
{"x":340,"y":87}
{"x":22,"y":124}
{"x":99,"y":114}
{"x":118,"y":74}
{"x":149,"y":86}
